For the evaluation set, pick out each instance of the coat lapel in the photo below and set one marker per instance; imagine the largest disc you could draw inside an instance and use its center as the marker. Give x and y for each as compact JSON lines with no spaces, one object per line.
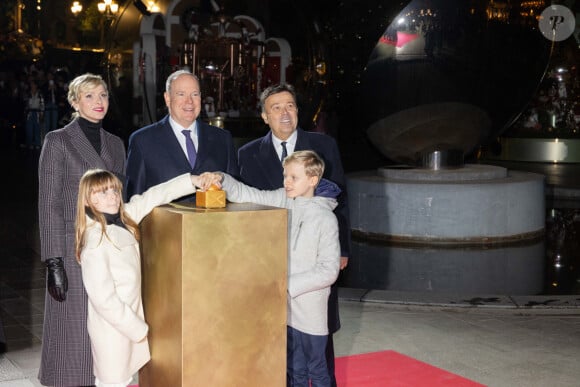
{"x":106,"y":149}
{"x":118,"y":236}
{"x":302,"y":142}
{"x":169,"y":142}
{"x":82,"y":145}
{"x":267,"y":159}
{"x":204,"y":143}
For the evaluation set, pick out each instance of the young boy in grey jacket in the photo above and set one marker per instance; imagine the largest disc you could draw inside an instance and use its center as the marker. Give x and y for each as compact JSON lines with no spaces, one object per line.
{"x":313,"y":260}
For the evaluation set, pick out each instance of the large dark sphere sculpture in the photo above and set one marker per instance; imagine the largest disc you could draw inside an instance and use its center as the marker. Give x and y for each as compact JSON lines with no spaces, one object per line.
{"x":449,"y":75}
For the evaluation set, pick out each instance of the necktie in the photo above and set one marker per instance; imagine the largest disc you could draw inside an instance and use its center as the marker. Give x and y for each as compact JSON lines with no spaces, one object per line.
{"x":284,"y":151}
{"x":191,"y":152}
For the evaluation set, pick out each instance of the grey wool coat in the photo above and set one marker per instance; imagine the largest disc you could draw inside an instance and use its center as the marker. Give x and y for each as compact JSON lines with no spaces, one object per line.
{"x":66,"y":155}
{"x":313,"y":251}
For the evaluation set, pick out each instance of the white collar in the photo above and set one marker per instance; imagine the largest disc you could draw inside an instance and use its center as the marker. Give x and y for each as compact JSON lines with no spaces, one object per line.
{"x":178,"y":128}
{"x":290,"y":141}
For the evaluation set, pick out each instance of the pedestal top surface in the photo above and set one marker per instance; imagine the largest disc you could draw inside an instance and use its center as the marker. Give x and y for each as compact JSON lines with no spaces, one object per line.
{"x":230,"y":207}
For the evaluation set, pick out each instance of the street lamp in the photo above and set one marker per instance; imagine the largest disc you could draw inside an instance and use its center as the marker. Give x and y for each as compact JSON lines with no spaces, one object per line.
{"x":108,"y":8}
{"x":76,"y":8}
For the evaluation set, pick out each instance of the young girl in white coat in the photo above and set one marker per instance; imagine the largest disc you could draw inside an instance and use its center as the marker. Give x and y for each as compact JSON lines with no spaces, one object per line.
{"x":107,"y":247}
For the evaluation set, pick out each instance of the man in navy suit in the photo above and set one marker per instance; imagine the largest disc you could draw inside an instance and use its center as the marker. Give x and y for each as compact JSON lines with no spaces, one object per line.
{"x":178,"y":143}
{"x":261,"y":167}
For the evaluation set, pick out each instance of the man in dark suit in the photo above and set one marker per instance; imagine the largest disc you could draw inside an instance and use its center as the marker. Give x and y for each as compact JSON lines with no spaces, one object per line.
{"x":178,"y":143}
{"x":261,"y":167}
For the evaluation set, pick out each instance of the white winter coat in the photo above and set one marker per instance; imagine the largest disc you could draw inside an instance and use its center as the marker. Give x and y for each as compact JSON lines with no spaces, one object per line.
{"x":111,"y":271}
{"x":314,"y":252}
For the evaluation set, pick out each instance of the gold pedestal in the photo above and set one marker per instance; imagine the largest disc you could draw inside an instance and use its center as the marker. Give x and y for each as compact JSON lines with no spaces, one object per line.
{"x":214,"y":292}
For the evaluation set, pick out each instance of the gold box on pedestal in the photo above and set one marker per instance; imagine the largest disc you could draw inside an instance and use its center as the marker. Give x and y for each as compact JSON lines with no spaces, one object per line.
{"x":211,"y":199}
{"x":214,"y":292}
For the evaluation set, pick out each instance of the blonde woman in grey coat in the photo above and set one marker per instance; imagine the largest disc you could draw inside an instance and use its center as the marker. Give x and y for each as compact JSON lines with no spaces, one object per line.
{"x":66,"y":155}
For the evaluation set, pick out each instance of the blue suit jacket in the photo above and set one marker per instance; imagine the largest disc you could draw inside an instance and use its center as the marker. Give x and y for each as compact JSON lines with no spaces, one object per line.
{"x":155,"y":156}
{"x":260,"y":167}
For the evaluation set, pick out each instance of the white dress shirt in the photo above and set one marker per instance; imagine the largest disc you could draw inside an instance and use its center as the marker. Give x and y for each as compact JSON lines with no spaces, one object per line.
{"x":290,"y":144}
{"x":181,"y":138}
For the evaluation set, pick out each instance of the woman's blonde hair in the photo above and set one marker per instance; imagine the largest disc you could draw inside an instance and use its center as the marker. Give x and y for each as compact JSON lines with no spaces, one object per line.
{"x":81,"y":84}
{"x":95,"y":180}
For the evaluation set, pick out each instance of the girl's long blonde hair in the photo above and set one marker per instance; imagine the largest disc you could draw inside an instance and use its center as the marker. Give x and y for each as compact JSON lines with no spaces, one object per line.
{"x":95,"y":180}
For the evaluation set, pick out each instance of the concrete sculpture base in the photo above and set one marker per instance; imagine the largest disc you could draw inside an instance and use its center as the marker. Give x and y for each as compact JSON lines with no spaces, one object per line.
{"x":477,"y":204}
{"x":466,"y":230}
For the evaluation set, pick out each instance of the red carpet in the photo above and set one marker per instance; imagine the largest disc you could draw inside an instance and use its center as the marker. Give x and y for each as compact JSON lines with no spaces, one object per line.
{"x":391,"y":369}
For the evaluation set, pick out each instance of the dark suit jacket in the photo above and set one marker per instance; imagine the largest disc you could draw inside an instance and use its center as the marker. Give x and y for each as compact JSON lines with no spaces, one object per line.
{"x":260,"y":167}
{"x":155,"y":156}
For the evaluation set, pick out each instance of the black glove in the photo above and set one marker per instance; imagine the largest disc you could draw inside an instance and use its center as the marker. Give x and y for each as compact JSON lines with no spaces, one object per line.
{"x":56,"y":282}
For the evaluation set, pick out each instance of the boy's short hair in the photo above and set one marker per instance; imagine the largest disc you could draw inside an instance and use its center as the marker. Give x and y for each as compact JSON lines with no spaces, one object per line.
{"x":313,"y":164}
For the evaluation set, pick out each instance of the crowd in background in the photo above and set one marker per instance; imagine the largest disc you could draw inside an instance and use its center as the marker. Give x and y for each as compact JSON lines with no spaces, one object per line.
{"x":34,"y":102}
